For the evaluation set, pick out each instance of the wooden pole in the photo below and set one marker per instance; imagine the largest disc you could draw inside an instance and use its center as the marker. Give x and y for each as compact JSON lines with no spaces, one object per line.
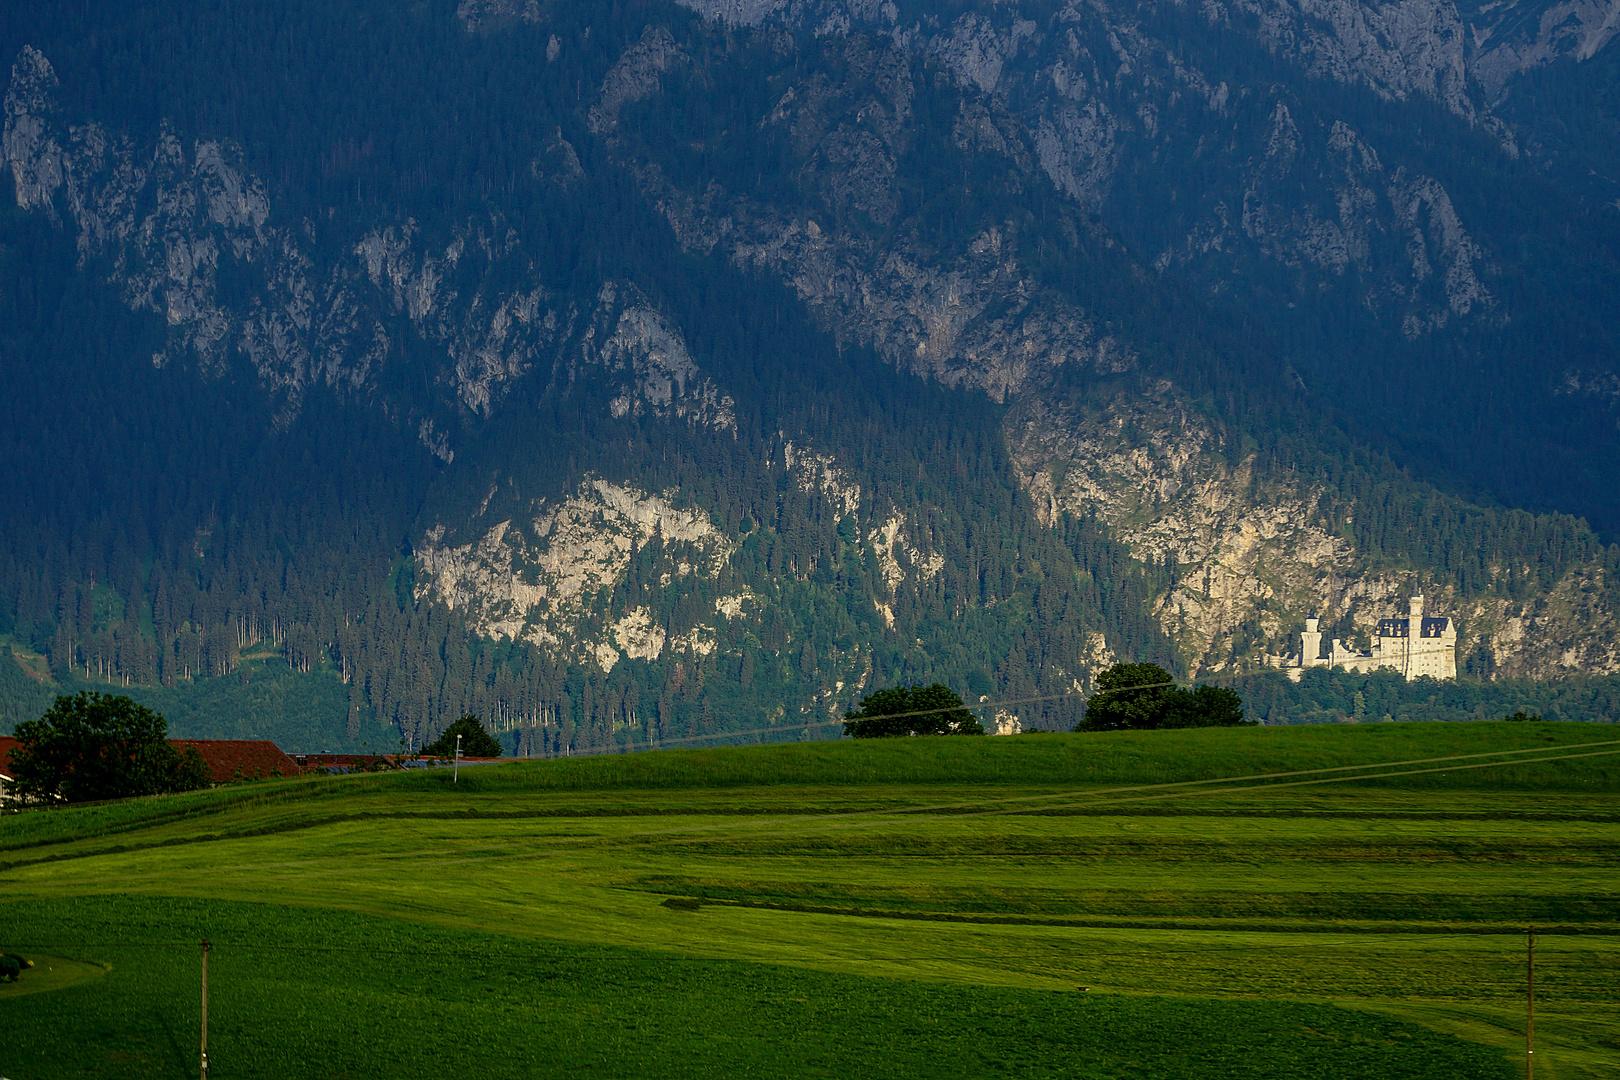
{"x":1530,"y":1005}
{"x":205,"y":1009}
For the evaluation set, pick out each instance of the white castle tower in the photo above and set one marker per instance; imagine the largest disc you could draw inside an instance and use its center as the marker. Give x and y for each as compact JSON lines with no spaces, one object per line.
{"x":1310,"y":644}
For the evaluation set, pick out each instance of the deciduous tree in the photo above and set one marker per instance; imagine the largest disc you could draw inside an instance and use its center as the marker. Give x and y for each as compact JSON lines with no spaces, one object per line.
{"x":1139,"y":697}
{"x":911,"y":710}
{"x":95,"y":746}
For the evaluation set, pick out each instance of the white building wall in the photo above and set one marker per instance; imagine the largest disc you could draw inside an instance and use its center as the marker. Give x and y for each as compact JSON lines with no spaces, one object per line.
{"x":1402,"y":649}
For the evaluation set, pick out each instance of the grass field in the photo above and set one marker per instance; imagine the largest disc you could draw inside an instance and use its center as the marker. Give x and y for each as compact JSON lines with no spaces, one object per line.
{"x":902,"y":908}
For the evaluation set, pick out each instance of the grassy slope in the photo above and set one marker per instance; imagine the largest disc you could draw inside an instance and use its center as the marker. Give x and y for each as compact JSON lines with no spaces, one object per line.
{"x":1115,"y":758}
{"x":1407,"y":898}
{"x":391,"y":999}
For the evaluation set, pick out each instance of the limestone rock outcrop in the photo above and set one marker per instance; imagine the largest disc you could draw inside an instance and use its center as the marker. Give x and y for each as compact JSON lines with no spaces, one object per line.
{"x":1254,"y":553}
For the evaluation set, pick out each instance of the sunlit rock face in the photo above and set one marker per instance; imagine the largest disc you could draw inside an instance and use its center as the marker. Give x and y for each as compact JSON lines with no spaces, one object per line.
{"x":582,"y":576}
{"x":1260,"y":552}
{"x":539,"y":580}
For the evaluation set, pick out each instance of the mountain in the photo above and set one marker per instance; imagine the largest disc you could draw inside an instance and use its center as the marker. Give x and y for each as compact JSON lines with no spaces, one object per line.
{"x":623,"y":372}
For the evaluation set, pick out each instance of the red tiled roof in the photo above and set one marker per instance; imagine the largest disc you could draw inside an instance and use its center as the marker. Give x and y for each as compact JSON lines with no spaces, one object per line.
{"x":6,"y":743}
{"x":240,"y":759}
{"x":323,"y":761}
{"x":345,"y":759}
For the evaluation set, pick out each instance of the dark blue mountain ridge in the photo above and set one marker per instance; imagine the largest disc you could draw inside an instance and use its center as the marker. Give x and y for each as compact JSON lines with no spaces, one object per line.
{"x":626,"y":372}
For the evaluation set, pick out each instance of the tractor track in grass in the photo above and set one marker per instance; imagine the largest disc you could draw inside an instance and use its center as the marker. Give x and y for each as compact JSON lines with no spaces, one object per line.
{"x":1091,"y":801}
{"x":1258,"y":926}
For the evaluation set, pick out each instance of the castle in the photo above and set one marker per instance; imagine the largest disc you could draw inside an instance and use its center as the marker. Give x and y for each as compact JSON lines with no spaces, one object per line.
{"x":1414,"y":646}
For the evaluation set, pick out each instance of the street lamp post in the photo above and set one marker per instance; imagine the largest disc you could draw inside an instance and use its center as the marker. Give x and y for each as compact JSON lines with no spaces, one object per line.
{"x":455,"y":770}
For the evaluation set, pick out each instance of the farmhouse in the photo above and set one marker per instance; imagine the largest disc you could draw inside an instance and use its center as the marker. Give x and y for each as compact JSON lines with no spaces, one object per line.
{"x":226,"y":759}
{"x":6,"y":744}
{"x":1415,"y":646}
{"x":239,"y":759}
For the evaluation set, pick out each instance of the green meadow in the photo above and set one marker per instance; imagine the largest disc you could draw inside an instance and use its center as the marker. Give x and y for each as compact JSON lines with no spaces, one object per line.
{"x":1317,"y":902}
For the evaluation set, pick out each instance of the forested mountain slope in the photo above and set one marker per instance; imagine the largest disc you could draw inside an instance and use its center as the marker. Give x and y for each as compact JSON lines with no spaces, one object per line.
{"x":623,"y":372}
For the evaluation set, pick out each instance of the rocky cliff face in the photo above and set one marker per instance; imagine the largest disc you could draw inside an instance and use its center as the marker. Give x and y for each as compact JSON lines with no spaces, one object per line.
{"x":176,"y":229}
{"x":1458,"y":55}
{"x":187,"y":233}
{"x":1256,"y":552}
{"x":1505,"y":40}
{"x":540,"y":580}
{"x":610,"y":571}
{"x":1092,"y":94}
{"x":649,"y":361}
{"x":969,"y":317}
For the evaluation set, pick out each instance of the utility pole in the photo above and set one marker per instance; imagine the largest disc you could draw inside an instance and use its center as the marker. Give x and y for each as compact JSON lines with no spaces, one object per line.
{"x":1530,"y":1005}
{"x":455,"y":770}
{"x":205,"y":1010}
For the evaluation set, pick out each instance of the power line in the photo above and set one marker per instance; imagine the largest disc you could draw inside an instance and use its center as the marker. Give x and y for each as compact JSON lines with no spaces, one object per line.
{"x":1098,"y":797}
{"x":1284,"y":775}
{"x":1328,"y":780}
{"x":829,"y":822}
{"x":1097,"y":802}
{"x":659,"y":744}
{"x":1004,"y":703}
